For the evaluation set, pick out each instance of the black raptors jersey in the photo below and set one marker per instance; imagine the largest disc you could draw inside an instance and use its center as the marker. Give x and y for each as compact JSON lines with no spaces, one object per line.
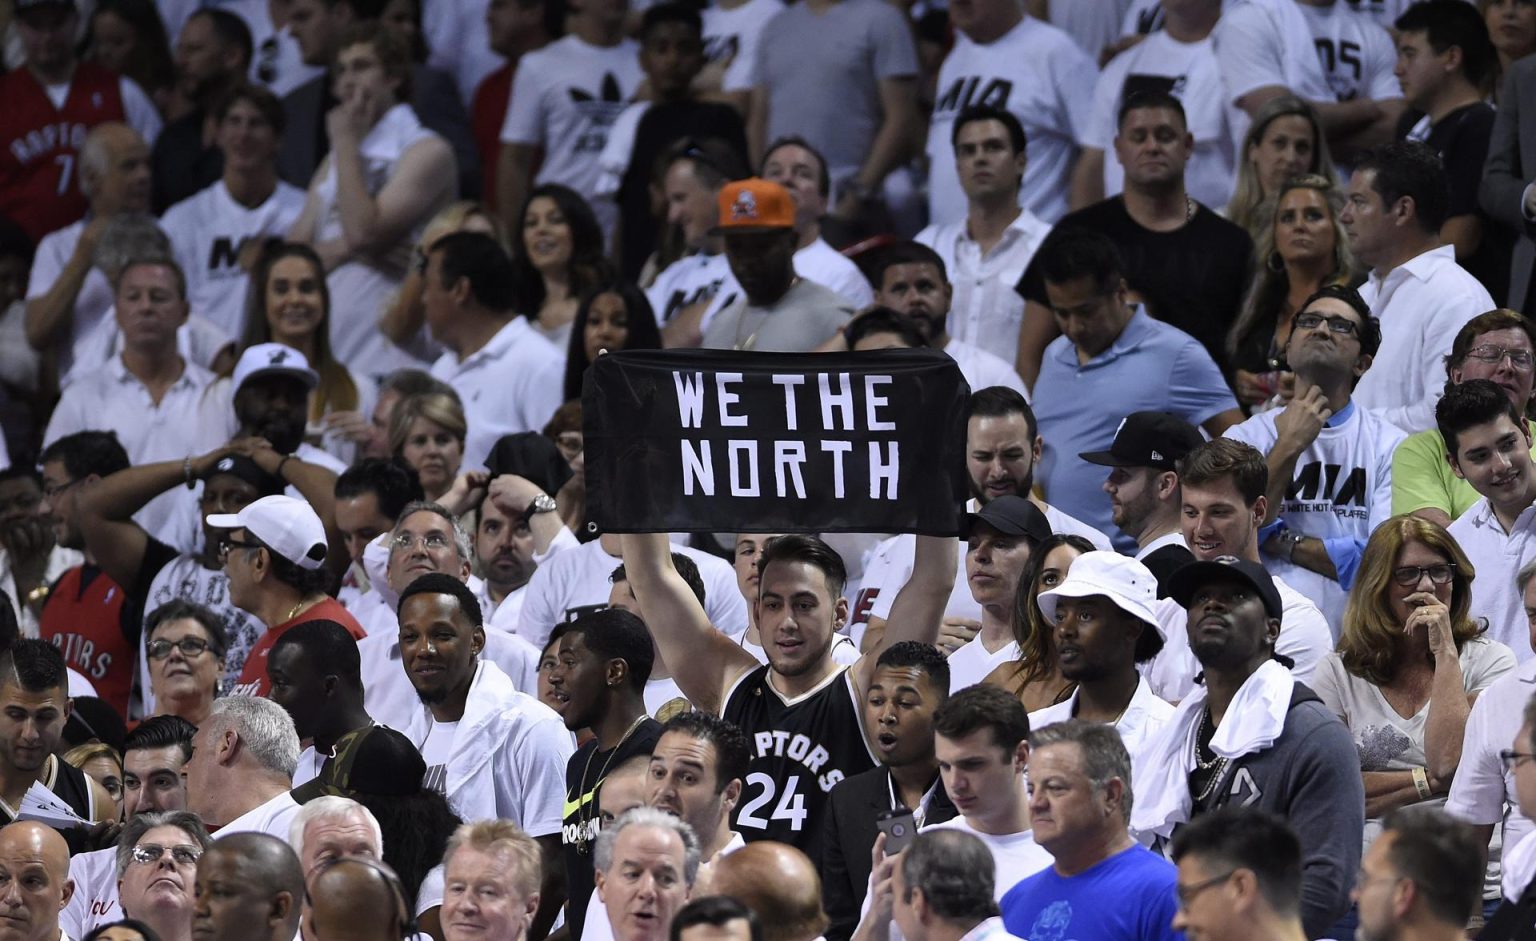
{"x":800,"y":749}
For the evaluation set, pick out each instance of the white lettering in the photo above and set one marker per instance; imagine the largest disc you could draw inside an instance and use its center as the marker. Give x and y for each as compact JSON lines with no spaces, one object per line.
{"x":727,"y":399}
{"x":883,"y":470}
{"x":842,"y":400}
{"x":791,"y":416}
{"x":788,"y":456}
{"x":837,"y":449}
{"x":873,"y":400}
{"x":698,"y":469}
{"x":739,"y":488}
{"x":690,"y":399}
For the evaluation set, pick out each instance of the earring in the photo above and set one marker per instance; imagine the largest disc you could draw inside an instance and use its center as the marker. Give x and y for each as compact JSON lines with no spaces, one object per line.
{"x":1275,"y":263}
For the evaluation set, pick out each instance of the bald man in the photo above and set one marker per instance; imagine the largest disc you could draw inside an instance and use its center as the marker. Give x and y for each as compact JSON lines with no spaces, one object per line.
{"x":35,"y":860}
{"x":357,"y":899}
{"x":249,"y":886}
{"x":779,"y":883}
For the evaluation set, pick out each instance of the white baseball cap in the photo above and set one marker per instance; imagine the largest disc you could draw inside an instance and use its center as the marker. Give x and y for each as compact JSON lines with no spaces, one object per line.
{"x":1129,"y":586}
{"x":268,"y":358}
{"x":288,"y":526}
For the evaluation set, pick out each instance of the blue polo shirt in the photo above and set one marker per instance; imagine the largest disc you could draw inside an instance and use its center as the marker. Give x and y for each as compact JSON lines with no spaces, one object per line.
{"x":1130,"y":895}
{"x":1150,"y":366}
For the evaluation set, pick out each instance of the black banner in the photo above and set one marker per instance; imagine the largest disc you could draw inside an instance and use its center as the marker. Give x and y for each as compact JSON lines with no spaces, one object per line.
{"x":725,"y":441}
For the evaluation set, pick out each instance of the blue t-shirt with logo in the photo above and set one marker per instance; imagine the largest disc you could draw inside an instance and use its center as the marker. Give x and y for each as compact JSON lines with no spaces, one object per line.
{"x":1129,"y":895}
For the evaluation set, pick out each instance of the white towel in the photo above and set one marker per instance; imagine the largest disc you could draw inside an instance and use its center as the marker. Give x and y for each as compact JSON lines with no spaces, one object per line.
{"x":1252,"y":722}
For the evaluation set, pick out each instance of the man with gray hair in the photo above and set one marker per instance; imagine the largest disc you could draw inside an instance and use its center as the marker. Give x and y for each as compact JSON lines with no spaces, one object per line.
{"x":68,"y":294}
{"x":1102,"y":883}
{"x":157,"y":856}
{"x":941,"y":889}
{"x":330,"y":827}
{"x":427,"y":538}
{"x":646,"y":861}
{"x":241,"y":768}
{"x":1483,"y":791}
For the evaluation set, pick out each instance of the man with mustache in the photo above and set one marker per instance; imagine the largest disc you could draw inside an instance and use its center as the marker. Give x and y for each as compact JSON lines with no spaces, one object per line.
{"x":272,"y":385}
{"x":1253,"y":736}
{"x":1330,"y":462}
{"x":1483,"y":433}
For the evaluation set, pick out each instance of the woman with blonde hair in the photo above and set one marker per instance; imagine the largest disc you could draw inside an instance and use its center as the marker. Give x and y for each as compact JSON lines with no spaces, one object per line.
{"x":1302,"y":249}
{"x":405,"y":316}
{"x":101,"y":762}
{"x":427,"y":433}
{"x":1285,"y":140}
{"x":1035,"y":677}
{"x":289,"y":302}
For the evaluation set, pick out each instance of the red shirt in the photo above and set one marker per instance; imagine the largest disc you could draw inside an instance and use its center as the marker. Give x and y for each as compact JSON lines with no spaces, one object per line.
{"x":85,"y":618}
{"x":40,"y":144}
{"x":253,"y":678}
{"x":486,"y":115}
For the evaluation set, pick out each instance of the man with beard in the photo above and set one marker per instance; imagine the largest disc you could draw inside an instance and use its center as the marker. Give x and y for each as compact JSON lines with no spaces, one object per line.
{"x":274,"y":556}
{"x":507,"y":548}
{"x":801,"y":709}
{"x":1253,"y":736}
{"x":1002,"y":447}
{"x":426,"y":539}
{"x":213,"y":53}
{"x":1419,"y":879}
{"x":910,"y":279}
{"x":492,"y":751}
{"x":1330,"y":462}
{"x":315,"y":675}
{"x":911,"y":681}
{"x":1143,"y":486}
{"x":32,"y":560}
{"x":1106,"y":627}
{"x":34,"y":705}
{"x":272,"y":385}
{"x":598,"y":680}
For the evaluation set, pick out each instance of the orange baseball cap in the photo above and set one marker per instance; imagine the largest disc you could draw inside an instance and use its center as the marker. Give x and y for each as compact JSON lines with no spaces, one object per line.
{"x":755,"y":205}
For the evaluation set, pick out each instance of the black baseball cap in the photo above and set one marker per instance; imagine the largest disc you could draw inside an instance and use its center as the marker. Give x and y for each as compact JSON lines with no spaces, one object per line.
{"x":372,"y":760}
{"x":1184,"y":582}
{"x":1148,"y":439}
{"x":238,"y":465}
{"x":1011,"y":515}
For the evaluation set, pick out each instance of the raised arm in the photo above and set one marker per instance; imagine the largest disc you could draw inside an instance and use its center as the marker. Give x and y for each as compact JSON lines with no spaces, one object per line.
{"x":918,"y":610}
{"x":703,"y":661}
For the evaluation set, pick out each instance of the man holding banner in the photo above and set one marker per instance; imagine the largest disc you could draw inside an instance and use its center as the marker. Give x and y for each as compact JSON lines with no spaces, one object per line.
{"x":847,"y":441}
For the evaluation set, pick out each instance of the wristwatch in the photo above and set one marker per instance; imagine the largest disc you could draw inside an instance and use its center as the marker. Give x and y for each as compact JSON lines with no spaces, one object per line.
{"x":1283,"y":544}
{"x":543,"y":503}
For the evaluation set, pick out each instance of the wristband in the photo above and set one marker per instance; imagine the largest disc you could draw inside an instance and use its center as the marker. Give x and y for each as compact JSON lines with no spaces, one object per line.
{"x":279,"y":470}
{"x":1421,"y":783}
{"x":186,"y":472}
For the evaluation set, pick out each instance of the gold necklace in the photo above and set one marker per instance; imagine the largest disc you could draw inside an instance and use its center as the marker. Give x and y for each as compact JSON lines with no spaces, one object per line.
{"x":587,"y":813}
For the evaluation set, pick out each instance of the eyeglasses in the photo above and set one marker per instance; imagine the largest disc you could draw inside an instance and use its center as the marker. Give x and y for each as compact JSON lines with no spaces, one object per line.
{"x":1187,"y":894}
{"x":1343,"y":326}
{"x":1520,"y":359}
{"x":1512,"y":759}
{"x":1411,"y":574}
{"x":52,"y":492}
{"x":189,"y":646}
{"x":183,"y":854}
{"x":431,"y":541}
{"x":228,"y":544}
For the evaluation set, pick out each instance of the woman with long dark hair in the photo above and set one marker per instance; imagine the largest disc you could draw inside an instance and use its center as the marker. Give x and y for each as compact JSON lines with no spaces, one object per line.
{"x":613,"y":317}
{"x":558,"y":258}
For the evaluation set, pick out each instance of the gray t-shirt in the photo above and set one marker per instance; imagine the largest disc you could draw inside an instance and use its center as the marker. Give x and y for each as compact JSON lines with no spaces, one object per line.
{"x":822,"y":74}
{"x":803,"y":319}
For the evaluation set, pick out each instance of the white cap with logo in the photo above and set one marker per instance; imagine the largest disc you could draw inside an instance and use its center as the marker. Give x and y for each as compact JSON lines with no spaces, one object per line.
{"x":289,"y":527}
{"x":274,"y":358}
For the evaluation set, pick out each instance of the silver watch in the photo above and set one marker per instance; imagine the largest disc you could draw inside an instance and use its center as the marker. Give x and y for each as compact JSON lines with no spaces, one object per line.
{"x":543,"y":503}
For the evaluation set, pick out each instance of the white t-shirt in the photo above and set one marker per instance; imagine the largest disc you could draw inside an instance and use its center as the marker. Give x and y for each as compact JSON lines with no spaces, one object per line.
{"x":577,"y":580}
{"x":1343,"y":489}
{"x":274,"y":818}
{"x":659,"y":693}
{"x":827,"y":266}
{"x":207,"y":231}
{"x":92,"y":303}
{"x":1016,"y":855}
{"x":1385,"y":739}
{"x":275,"y":61}
{"x":1188,"y":71}
{"x":512,"y":384}
{"x":1040,"y":75}
{"x":1498,"y":557}
{"x":95,"y":901}
{"x":436,"y":751}
{"x":687,"y":281}
{"x":1267,"y":43}
{"x":1144,"y":717}
{"x":1092,"y":24}
{"x":972,"y":661}
{"x":731,"y":36}
{"x":564,"y":98}
{"x":1356,"y":54}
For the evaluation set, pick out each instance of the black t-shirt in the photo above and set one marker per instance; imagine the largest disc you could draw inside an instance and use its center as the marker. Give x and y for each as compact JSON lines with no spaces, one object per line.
{"x":1193,"y":278}
{"x":662,"y":126}
{"x":584,"y":775}
{"x":1461,"y":140}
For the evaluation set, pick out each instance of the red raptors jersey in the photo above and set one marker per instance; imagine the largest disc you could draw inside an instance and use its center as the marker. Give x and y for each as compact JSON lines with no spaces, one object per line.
{"x":87,"y":618}
{"x":40,"y":144}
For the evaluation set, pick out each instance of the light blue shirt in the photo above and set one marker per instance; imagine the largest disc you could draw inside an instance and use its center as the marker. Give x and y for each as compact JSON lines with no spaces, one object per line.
{"x":1150,"y":366}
